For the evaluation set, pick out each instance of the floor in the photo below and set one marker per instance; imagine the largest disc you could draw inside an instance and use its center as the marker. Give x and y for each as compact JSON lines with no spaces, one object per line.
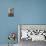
{"x":30,"y":43}
{"x":7,"y":45}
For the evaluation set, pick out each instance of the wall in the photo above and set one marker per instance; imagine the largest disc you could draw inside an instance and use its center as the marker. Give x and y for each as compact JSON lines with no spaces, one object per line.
{"x":26,"y":12}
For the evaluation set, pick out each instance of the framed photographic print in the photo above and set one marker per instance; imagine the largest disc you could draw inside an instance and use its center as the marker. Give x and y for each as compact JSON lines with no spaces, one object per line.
{"x":11,"y":12}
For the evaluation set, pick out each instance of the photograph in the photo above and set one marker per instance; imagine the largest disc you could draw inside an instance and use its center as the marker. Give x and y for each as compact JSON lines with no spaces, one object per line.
{"x":22,"y":22}
{"x":10,"y":12}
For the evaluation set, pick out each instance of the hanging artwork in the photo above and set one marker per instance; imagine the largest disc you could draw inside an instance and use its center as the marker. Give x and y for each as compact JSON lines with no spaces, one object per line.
{"x":11,"y":12}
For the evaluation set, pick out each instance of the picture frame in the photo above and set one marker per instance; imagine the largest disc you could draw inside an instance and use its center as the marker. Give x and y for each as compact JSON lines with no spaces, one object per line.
{"x":10,"y":12}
